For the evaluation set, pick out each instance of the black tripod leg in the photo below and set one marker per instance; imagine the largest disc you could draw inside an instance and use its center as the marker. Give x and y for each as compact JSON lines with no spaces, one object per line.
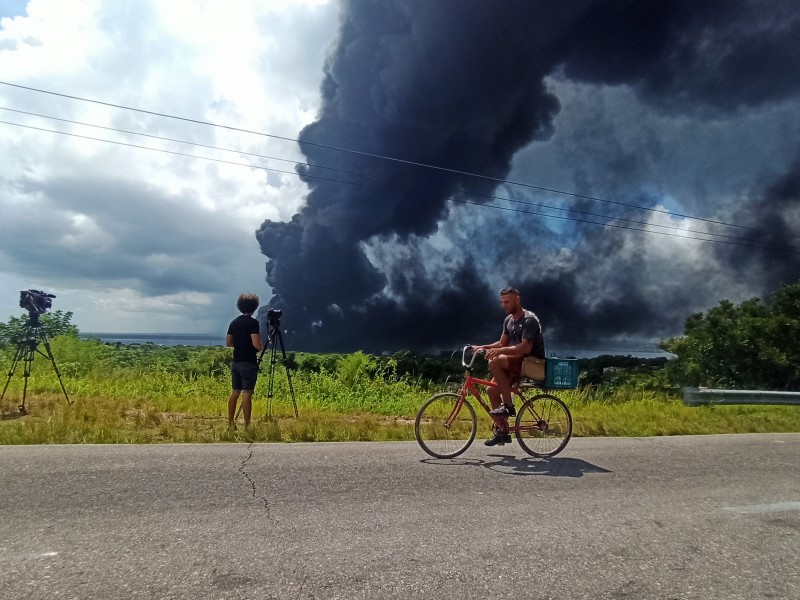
{"x":22,"y":409}
{"x":288,"y":374}
{"x":271,"y":378}
{"x":55,"y":366}
{"x":28,"y":364}
{"x":17,"y":357}
{"x":24,"y":353}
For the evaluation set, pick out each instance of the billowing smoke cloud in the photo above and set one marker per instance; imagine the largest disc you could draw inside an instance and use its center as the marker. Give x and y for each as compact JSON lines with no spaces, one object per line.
{"x":773,"y":217}
{"x":395,"y":259}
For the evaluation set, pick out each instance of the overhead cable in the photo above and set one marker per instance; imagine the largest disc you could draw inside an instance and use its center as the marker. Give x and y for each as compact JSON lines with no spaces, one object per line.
{"x":733,"y":240}
{"x":373,"y":155}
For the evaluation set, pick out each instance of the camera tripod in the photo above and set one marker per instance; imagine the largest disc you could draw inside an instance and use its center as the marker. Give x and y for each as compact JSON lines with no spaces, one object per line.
{"x":275,"y":336}
{"x":32,"y":334}
{"x":273,"y":340}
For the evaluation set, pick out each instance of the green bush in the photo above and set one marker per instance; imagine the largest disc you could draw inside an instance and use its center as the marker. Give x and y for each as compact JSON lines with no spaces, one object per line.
{"x":53,"y":324}
{"x":748,"y":346}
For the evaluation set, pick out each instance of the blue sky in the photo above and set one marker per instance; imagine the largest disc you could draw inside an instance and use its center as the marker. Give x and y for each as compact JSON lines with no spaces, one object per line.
{"x":12,"y":8}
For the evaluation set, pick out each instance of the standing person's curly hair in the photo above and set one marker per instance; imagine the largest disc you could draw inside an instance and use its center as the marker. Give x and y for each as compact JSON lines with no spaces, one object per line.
{"x":248,"y":303}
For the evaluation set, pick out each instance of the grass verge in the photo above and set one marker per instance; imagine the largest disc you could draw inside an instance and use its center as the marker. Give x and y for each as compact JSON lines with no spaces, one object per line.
{"x":360,"y":416}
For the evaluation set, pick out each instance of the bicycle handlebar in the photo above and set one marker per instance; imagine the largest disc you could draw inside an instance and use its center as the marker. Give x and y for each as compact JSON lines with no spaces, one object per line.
{"x":464,"y":356}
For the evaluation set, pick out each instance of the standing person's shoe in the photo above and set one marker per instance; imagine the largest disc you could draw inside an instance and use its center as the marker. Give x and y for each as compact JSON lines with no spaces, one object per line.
{"x":504,"y":410}
{"x":499,"y":439}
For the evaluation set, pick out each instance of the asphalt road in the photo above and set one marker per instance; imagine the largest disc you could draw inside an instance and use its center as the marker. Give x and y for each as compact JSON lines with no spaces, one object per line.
{"x":703,"y":517}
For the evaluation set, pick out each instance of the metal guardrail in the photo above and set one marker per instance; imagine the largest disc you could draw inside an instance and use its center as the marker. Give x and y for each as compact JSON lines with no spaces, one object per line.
{"x":700,"y":396}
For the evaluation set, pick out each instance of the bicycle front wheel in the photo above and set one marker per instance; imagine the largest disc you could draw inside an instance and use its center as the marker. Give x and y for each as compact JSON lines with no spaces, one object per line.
{"x":443,"y":428}
{"x":544,"y":426}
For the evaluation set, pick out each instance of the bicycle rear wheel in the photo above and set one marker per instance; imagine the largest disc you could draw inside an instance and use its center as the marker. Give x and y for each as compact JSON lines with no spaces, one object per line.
{"x":441,"y":432}
{"x":544,"y":426}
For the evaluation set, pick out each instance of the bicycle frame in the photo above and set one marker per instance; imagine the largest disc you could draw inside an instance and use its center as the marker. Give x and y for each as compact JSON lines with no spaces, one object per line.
{"x":473,"y":385}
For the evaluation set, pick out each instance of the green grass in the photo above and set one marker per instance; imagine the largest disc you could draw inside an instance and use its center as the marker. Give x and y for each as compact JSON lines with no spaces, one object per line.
{"x":330,"y":411}
{"x":149,"y":399}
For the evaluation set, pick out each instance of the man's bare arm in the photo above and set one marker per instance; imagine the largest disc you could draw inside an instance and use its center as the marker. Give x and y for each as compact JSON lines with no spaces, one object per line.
{"x":256,"y":339}
{"x":522,"y":349}
{"x":498,"y":344}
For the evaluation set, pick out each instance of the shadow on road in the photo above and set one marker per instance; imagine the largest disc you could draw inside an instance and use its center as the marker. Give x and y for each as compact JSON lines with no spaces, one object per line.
{"x":511,"y":465}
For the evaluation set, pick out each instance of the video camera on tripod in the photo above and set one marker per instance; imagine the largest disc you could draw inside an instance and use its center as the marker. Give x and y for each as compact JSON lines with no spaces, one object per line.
{"x":274,"y":317}
{"x":276,"y":339}
{"x":36,"y":301}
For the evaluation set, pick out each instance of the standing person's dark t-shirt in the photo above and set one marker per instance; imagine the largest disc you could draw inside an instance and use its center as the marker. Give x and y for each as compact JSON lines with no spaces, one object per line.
{"x":241,"y":328}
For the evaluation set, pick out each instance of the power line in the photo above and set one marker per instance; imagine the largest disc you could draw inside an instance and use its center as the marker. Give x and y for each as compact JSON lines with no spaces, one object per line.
{"x":742,"y":242}
{"x":361,"y":174}
{"x":372,"y":155}
{"x":148,"y":135}
{"x":167,"y":139}
{"x":737,"y":242}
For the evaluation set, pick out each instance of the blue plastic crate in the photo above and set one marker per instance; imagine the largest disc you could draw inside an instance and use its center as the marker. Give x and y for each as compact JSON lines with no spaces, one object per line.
{"x":561,"y":373}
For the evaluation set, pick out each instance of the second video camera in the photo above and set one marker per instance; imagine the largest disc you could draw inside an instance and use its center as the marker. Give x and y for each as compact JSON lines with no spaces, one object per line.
{"x":274,"y":317}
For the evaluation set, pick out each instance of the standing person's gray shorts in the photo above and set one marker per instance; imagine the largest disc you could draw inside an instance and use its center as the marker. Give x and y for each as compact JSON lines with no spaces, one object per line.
{"x":244,"y":375}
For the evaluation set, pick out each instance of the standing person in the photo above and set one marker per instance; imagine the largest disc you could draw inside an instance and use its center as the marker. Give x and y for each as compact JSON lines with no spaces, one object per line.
{"x":521,"y":337}
{"x":244,"y":336}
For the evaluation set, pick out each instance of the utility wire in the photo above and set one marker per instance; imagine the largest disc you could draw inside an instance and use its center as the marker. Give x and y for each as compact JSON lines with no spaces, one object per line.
{"x":360,"y":174}
{"x":737,"y":242}
{"x":372,"y":155}
{"x":154,"y":137}
{"x":743,"y":243}
{"x":391,"y":180}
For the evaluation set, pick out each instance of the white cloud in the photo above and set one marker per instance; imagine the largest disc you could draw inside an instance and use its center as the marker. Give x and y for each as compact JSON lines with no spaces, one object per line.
{"x":135,"y":240}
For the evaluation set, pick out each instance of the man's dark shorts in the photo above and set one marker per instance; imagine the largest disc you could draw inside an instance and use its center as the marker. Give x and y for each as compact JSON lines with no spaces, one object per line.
{"x":514,"y":366}
{"x":244,"y":375}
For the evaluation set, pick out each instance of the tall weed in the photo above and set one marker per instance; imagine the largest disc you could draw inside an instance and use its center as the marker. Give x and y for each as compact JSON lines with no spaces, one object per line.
{"x":149,"y":394}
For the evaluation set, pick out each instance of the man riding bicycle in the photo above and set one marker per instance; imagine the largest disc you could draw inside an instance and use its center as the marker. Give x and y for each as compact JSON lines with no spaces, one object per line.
{"x":521,"y":337}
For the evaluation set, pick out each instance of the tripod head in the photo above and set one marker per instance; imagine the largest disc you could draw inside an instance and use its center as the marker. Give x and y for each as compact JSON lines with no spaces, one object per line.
{"x":274,"y":317}
{"x":34,"y":324}
{"x":274,"y":321}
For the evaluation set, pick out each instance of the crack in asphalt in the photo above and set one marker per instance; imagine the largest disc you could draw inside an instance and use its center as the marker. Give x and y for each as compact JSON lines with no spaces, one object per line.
{"x":253,"y":485}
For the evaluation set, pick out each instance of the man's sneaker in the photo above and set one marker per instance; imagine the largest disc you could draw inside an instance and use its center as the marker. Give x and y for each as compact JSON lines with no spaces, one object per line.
{"x":504,"y":410}
{"x":499,"y":439}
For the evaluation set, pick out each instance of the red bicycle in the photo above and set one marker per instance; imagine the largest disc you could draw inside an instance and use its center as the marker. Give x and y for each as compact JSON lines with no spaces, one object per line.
{"x":446,"y":424}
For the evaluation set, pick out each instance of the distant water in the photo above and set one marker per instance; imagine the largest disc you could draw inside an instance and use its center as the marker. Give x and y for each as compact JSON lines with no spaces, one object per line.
{"x":159,"y":339}
{"x":637,"y":349}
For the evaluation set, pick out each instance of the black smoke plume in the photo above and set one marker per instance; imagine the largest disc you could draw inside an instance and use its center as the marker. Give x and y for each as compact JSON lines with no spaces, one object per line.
{"x":394,"y":258}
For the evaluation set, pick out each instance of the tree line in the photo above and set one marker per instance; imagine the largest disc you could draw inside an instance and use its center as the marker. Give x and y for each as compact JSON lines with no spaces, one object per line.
{"x":751,"y":345}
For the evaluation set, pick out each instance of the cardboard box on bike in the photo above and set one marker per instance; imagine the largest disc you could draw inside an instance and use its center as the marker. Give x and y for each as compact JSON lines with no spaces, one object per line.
{"x":533,"y":368}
